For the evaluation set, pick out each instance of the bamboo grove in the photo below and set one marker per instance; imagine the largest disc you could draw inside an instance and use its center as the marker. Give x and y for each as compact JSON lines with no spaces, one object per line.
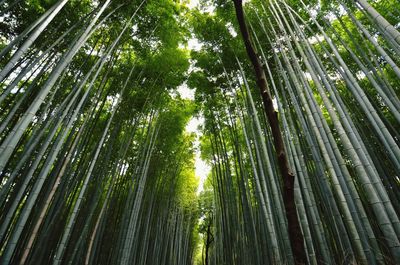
{"x":96,"y":165}
{"x":94,"y":155}
{"x":332,"y":70}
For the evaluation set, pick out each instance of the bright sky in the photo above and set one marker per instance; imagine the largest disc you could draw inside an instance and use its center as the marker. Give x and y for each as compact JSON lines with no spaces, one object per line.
{"x":193,"y":3}
{"x":185,"y":92}
{"x":193,"y":44}
{"x":202,"y":169}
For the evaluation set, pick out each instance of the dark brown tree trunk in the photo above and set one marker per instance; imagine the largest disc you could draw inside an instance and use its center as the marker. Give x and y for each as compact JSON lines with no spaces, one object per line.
{"x":209,"y":240}
{"x":295,"y":235}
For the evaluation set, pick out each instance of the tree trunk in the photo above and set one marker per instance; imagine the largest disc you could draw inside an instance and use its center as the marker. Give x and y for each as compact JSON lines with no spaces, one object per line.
{"x":208,"y":243}
{"x":295,"y":234}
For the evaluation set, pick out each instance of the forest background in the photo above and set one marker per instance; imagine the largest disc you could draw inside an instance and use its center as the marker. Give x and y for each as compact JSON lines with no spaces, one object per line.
{"x":294,"y":119}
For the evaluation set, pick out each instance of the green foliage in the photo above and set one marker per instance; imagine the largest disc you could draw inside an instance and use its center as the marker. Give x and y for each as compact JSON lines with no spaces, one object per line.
{"x":102,"y":171}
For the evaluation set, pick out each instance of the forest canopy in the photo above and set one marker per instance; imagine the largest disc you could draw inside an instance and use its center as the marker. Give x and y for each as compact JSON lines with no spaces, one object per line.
{"x":298,"y":113}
